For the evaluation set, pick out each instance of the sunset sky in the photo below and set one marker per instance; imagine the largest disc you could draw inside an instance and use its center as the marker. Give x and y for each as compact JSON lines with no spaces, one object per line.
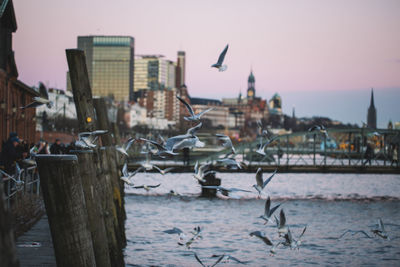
{"x":322,"y":57}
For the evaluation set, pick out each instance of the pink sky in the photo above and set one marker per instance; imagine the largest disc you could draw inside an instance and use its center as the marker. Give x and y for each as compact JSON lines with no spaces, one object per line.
{"x":292,"y":46}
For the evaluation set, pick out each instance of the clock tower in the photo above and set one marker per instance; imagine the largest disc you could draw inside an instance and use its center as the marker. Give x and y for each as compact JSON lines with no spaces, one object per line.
{"x":251,"y":90}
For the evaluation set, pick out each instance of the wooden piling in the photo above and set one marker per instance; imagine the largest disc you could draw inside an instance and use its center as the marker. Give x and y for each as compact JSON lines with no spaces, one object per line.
{"x":109,"y":209}
{"x":8,"y":252}
{"x":211,"y":180}
{"x":87,"y":171}
{"x":102,"y":120}
{"x":66,"y":210}
{"x":81,"y":89}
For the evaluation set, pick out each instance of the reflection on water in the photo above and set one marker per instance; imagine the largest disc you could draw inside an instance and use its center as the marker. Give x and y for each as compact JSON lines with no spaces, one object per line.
{"x":307,"y":200}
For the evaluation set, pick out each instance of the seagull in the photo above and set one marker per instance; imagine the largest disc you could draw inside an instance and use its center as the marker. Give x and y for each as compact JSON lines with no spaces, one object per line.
{"x":88,"y":139}
{"x":265,"y":239}
{"x":380,"y":231}
{"x":146,"y":187}
{"x":193,"y":116}
{"x":124,"y":149}
{"x":163,"y":172}
{"x":40,"y":100}
{"x":163,"y":151}
{"x":189,"y":142}
{"x":16,"y":177}
{"x":174,"y":230}
{"x":353,"y":232}
{"x":201,"y":171}
{"x":281,"y":224}
{"x":290,"y":241}
{"x":321,"y":128}
{"x":268,"y":211}
{"x":226,"y":258}
{"x":261,"y":184}
{"x":226,"y":142}
{"x":221,"y":58}
{"x":174,"y":141}
{"x":126,"y":176}
{"x":215,"y":263}
{"x":230,"y":163}
{"x":196,"y":235}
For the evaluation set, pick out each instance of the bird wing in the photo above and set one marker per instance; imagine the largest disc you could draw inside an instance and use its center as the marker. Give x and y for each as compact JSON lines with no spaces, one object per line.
{"x":136,"y":171}
{"x":222,"y":55}
{"x":174,"y":230}
{"x":218,"y":260}
{"x":362,"y":232}
{"x":43,"y":91}
{"x":196,"y":167}
{"x":189,"y":108}
{"x":267,"y":207}
{"x":153,"y":186}
{"x":198,"y":259}
{"x":125,"y":170}
{"x":259,"y":177}
{"x":138,"y":186}
{"x":193,"y":130}
{"x":380,"y":225}
{"x":269,"y":179}
{"x":313,"y":128}
{"x":282,"y":219}
{"x":262,"y":237}
{"x":168,"y":169}
{"x":302,"y":233}
{"x":159,"y":147}
{"x":204,"y":111}
{"x":271,"y":211}
{"x":129,"y":143}
{"x":32,"y":105}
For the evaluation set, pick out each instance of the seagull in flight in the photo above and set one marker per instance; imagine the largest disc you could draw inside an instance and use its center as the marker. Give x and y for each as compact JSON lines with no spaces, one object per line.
{"x":126,"y":176}
{"x":124,"y":149}
{"x":163,"y":172}
{"x":261,"y":184}
{"x":268,"y":211}
{"x":227,"y":258}
{"x":201,"y":171}
{"x":88,"y":139}
{"x":281,"y":224}
{"x":193,"y":116}
{"x":380,"y":231}
{"x":226,"y":142}
{"x":163,"y":151}
{"x":146,"y":187}
{"x":215,"y":263}
{"x":320,"y":128}
{"x":195,"y":235}
{"x":221,"y":58}
{"x":40,"y":100}
{"x":291,"y":242}
{"x":266,"y":240}
{"x":230,"y":163}
{"x":354,"y":232}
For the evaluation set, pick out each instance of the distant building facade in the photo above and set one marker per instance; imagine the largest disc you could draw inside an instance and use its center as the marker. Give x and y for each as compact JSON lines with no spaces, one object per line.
{"x":371,"y":116}
{"x":110,"y":65}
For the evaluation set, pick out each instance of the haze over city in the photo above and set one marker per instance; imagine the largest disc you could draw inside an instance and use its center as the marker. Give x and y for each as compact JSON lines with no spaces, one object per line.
{"x":323,"y":58}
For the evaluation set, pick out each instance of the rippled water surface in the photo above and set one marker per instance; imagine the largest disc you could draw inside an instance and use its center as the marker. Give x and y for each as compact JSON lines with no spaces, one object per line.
{"x":328,"y":204}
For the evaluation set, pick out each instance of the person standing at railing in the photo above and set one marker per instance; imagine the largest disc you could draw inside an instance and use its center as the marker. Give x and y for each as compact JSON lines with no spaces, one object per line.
{"x":57,"y":148}
{"x":10,"y":154}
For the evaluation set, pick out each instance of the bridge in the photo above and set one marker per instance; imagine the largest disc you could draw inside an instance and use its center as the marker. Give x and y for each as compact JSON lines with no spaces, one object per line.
{"x":344,"y":151}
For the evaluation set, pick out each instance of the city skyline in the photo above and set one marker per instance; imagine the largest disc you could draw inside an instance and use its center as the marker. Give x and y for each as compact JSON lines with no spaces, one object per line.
{"x":303,"y":51}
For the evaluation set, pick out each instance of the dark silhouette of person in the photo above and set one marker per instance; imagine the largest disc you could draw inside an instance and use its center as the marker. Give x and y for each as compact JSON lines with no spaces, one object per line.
{"x":57,"y":148}
{"x":10,"y":154}
{"x":369,"y":154}
{"x":186,"y":156}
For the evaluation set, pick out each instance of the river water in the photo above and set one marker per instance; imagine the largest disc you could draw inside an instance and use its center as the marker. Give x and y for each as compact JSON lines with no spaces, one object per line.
{"x":328,"y":204}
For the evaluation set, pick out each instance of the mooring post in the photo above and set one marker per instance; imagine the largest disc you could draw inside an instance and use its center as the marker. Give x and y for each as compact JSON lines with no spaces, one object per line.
{"x":109,"y":209}
{"x":118,"y":193}
{"x":81,"y":89}
{"x":87,"y":171}
{"x":8,"y":252}
{"x":102,"y":120}
{"x":349,"y":149}
{"x":66,"y":210}
{"x":287,"y":150}
{"x":314,"y":136}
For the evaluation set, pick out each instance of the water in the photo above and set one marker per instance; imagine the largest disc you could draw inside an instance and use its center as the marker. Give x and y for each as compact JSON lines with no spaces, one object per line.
{"x":328,"y":204}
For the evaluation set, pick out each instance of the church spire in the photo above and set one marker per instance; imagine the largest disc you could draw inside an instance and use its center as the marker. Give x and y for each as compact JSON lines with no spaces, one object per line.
{"x":371,"y":115}
{"x":372,"y":98}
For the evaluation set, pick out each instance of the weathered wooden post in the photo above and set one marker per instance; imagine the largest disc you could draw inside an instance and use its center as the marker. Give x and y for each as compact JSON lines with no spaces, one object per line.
{"x":110,"y":211}
{"x":87,"y":171}
{"x":211,"y":180}
{"x":102,"y":120}
{"x":81,"y":89}
{"x":8,"y":253}
{"x":66,"y":210}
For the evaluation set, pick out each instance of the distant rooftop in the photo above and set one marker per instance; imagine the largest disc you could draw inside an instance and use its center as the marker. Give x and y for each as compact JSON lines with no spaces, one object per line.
{"x":204,"y":101}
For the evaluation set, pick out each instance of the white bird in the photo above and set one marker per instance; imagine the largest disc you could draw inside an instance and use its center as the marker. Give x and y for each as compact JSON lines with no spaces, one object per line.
{"x":226,"y":142}
{"x":88,"y":139}
{"x":127,"y":176}
{"x":195,"y":235}
{"x":266,"y":240}
{"x":354,"y":232}
{"x":124,"y":149}
{"x":220,"y":61}
{"x":291,"y":242}
{"x":227,"y":258}
{"x":163,"y":172}
{"x":201,"y":171}
{"x":40,"y":100}
{"x":224,"y":189}
{"x":177,"y":141}
{"x":189,"y":142}
{"x":162,"y":151}
{"x":268,"y":211}
{"x":380,"y":231}
{"x":281,"y":224}
{"x":230,"y":163}
{"x":193,"y":116}
{"x":146,"y":187}
{"x":215,"y":263}
{"x":261,"y":184}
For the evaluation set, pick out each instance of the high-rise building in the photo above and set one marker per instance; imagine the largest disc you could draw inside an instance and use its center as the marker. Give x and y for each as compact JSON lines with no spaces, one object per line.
{"x":371,"y":116}
{"x":110,"y":62}
{"x":180,"y":69}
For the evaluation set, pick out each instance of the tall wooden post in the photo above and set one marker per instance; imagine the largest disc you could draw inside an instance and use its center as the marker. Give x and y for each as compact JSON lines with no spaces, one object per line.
{"x":81,"y":89}
{"x":110,"y":211}
{"x":102,"y":120}
{"x":66,"y":210}
{"x":87,"y":171}
{"x":8,"y":253}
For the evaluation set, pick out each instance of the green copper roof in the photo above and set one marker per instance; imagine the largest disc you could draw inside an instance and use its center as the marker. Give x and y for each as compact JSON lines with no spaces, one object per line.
{"x":251,"y":78}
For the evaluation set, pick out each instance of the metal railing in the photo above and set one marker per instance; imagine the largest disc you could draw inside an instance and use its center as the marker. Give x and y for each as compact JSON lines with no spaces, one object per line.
{"x":17,"y":185}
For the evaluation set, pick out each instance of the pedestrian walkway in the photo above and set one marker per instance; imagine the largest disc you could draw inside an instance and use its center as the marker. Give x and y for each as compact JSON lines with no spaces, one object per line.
{"x":35,"y":247}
